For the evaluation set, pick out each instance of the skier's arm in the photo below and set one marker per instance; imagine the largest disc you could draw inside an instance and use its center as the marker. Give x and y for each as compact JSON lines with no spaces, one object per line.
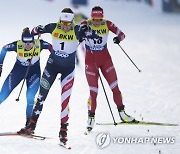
{"x":46,"y":45}
{"x":113,"y":28}
{"x":84,"y":31}
{"x":43,"y":29}
{"x":5,"y":49}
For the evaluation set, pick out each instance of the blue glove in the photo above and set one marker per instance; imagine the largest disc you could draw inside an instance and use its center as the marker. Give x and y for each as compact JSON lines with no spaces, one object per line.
{"x":39,"y":29}
{"x":0,"y":69}
{"x":116,"y":40}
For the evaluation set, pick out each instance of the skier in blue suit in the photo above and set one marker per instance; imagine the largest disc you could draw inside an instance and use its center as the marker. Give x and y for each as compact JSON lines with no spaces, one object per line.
{"x":28,"y":51}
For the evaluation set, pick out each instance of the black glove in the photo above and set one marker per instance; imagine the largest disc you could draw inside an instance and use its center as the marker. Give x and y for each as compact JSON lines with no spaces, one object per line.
{"x":81,"y":40}
{"x":0,"y":69}
{"x":82,"y":31}
{"x":116,"y":40}
{"x":39,"y":29}
{"x":84,"y":28}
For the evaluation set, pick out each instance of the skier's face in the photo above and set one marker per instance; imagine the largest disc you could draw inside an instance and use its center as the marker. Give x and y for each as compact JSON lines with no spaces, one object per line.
{"x":66,"y":26}
{"x":97,"y":22}
{"x":28,"y":46}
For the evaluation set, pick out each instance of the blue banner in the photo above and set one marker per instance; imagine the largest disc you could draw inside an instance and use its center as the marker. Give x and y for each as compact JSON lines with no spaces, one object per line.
{"x":80,"y":2}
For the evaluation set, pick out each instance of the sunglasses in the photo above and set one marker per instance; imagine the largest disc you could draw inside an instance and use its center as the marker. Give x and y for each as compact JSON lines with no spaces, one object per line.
{"x":28,"y":44}
{"x":98,"y":20}
{"x":65,"y":23}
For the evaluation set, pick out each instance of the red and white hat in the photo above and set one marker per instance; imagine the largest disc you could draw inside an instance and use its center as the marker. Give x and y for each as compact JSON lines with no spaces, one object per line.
{"x":97,"y":13}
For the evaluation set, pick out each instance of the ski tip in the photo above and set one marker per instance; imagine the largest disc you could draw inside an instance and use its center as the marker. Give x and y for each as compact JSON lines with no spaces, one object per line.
{"x":85,"y":133}
{"x":65,"y":146}
{"x":69,"y":148}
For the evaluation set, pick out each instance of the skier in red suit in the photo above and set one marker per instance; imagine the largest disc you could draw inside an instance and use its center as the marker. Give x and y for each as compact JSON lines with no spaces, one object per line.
{"x":98,"y":57}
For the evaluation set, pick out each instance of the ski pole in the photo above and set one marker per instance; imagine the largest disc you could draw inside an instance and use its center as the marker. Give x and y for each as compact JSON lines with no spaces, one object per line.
{"x":94,"y":59}
{"x":27,"y":71}
{"x":129,"y":58}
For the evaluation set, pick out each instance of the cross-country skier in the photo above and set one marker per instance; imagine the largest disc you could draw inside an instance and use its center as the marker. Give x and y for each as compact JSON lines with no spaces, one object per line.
{"x":98,"y":57}
{"x":65,"y":36}
{"x":28,"y":50}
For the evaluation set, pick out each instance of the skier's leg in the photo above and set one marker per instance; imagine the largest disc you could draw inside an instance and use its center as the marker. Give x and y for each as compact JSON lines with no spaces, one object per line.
{"x":109,"y":73}
{"x":92,"y":76}
{"x":12,"y":80}
{"x":33,"y":82}
{"x":67,"y":81}
{"x":45,"y":85}
{"x":46,"y":82}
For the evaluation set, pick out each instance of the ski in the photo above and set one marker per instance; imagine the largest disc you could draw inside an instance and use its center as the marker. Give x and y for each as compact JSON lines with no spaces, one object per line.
{"x":139,"y":123}
{"x":33,"y":136}
{"x":65,"y":145}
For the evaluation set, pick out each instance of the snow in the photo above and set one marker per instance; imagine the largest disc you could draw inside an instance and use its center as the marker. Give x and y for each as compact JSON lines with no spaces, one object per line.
{"x":153,"y":95}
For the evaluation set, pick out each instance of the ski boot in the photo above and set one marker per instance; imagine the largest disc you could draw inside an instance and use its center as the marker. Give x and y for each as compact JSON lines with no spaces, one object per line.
{"x":125,"y":117}
{"x":90,"y":122}
{"x":27,"y":121}
{"x":63,"y":134}
{"x":29,"y":129}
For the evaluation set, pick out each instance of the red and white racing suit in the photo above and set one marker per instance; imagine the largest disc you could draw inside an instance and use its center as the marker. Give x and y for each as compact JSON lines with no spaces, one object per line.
{"x":98,"y":57}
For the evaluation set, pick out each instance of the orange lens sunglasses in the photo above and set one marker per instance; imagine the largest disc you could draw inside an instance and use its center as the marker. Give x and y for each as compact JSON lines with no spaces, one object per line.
{"x":65,"y":23}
